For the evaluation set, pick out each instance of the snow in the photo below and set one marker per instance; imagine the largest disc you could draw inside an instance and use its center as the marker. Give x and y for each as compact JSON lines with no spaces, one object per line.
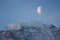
{"x":30,"y":31}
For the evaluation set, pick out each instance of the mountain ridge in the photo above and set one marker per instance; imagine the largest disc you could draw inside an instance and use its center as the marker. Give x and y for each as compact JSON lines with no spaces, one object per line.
{"x":30,"y":31}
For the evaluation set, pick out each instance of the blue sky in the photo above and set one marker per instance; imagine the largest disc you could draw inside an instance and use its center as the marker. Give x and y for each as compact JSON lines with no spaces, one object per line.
{"x":12,"y":11}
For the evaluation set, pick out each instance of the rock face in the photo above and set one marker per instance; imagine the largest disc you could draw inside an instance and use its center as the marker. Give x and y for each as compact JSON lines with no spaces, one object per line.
{"x":30,"y":32}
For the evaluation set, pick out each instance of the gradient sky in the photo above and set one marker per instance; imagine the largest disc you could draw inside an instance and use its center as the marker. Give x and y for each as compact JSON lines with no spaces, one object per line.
{"x":12,"y":11}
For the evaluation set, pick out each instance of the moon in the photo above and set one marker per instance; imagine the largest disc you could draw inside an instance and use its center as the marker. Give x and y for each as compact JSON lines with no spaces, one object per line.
{"x":39,"y":10}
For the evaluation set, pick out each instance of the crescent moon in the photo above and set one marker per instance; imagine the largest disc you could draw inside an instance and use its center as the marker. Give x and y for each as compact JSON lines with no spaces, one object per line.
{"x":39,"y":10}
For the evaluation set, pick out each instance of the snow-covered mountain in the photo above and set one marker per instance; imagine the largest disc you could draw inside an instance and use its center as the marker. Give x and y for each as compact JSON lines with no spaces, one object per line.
{"x":30,"y":31}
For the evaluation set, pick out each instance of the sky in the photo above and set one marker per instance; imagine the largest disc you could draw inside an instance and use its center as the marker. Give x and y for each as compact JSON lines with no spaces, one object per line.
{"x":16,"y":11}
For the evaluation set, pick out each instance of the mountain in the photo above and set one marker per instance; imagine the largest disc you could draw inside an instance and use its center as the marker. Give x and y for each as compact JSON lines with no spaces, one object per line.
{"x":30,"y":31}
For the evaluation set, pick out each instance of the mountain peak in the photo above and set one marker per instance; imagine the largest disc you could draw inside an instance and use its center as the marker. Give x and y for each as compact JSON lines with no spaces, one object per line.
{"x":30,"y":31}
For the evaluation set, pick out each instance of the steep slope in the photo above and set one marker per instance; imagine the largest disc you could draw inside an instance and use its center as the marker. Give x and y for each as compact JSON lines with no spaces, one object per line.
{"x":55,"y":31}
